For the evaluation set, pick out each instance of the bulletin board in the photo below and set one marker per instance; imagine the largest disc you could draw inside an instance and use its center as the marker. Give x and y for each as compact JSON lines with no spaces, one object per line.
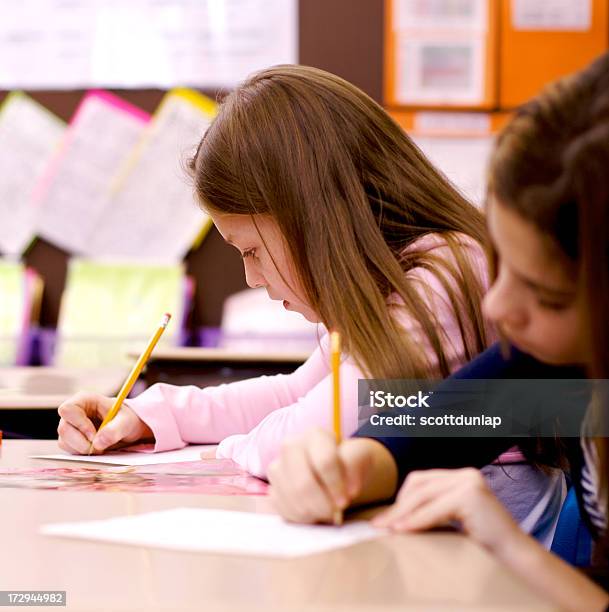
{"x":341,"y":36}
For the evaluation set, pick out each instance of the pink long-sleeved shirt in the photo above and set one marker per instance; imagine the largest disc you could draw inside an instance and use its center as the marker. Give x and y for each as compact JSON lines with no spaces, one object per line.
{"x":252,"y":418}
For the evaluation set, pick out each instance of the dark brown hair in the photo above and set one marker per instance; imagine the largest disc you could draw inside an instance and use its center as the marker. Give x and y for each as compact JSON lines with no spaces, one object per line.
{"x":349,"y":192}
{"x":551,"y":166}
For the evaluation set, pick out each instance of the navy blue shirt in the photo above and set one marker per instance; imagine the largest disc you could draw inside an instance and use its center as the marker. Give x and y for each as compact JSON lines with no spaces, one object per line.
{"x":419,"y":453}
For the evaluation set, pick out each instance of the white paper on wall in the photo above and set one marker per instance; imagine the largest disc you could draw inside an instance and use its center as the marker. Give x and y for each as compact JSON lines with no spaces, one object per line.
{"x":73,"y":194}
{"x":561,"y":15}
{"x":54,"y":44}
{"x":29,"y":137}
{"x":440,"y":69}
{"x":464,"y":161}
{"x":435,"y":14}
{"x":151,"y":213}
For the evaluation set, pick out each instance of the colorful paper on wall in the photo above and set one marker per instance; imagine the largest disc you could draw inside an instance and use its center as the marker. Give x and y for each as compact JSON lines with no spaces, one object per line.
{"x":18,"y":290}
{"x":29,"y":137}
{"x":440,"y":51}
{"x":74,"y":191}
{"x":444,"y":69}
{"x":12,"y":277}
{"x":151,"y":213}
{"x":109,"y":308}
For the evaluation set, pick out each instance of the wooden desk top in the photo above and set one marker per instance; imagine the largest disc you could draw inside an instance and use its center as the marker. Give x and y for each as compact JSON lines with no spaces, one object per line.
{"x":46,"y":387}
{"x":203,"y":354}
{"x":439,"y":571}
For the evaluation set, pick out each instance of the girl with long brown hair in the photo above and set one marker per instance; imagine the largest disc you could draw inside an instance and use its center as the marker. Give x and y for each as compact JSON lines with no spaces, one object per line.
{"x":338,"y":215}
{"x":548,"y":217}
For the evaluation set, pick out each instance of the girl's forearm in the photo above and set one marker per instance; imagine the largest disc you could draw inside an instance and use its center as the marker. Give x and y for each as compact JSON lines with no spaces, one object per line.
{"x":552,"y":577}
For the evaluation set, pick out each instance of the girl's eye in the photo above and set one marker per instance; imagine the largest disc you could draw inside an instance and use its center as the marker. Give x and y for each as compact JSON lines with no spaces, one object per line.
{"x":248,"y":253}
{"x":556,"y":306}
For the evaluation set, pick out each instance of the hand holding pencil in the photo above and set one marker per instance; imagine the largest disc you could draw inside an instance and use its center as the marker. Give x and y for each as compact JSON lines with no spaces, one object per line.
{"x":133,"y":375}
{"x":119,"y":424}
{"x":318,"y":475}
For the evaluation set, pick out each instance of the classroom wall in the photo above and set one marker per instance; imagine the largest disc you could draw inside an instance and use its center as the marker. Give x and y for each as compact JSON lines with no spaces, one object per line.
{"x":341,"y":36}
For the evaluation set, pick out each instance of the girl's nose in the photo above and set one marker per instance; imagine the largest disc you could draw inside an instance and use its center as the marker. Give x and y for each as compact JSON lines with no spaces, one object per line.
{"x":503,"y":307}
{"x":253,"y":278}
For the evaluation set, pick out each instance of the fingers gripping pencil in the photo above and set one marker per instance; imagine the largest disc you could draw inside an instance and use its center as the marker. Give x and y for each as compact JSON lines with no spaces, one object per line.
{"x":134,"y":374}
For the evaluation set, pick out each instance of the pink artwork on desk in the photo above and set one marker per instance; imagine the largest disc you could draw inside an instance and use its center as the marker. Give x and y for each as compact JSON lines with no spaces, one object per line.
{"x":205,"y":477}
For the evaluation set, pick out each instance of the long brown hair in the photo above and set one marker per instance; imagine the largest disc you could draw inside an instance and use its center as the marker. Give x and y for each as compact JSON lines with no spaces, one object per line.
{"x":349,"y":192}
{"x":551,"y":166}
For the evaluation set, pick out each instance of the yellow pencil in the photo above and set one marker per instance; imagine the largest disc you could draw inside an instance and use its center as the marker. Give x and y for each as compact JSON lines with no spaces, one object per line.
{"x":134,"y":374}
{"x":335,"y":366}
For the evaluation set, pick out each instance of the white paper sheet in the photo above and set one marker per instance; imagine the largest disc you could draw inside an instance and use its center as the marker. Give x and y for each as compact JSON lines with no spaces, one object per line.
{"x":29,"y":136}
{"x":463,"y":160}
{"x":417,"y":15}
{"x":440,"y":49}
{"x":189,"y":453}
{"x":73,"y":194}
{"x":152,"y":213}
{"x":218,"y":531}
{"x":552,"y":15}
{"x":54,"y":44}
{"x":451,"y":123}
{"x":440,"y":68}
